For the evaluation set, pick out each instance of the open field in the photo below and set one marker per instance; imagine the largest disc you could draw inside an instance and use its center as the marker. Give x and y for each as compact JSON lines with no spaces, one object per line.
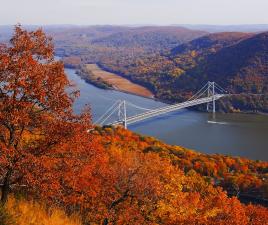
{"x":118,"y":82}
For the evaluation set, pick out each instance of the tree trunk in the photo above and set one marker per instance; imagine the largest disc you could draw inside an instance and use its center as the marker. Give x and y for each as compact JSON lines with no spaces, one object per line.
{"x":6,"y":187}
{"x":105,"y":221}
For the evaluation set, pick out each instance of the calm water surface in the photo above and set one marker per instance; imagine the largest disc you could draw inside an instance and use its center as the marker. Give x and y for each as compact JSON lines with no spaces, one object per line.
{"x":230,"y":134}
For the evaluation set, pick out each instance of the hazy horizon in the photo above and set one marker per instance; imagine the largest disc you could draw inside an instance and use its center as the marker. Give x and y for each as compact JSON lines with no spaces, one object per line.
{"x":139,"y":12}
{"x":136,"y":25}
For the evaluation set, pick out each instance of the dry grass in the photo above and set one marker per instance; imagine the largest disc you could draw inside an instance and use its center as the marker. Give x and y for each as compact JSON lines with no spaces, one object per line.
{"x":31,"y":213}
{"x":118,"y":82}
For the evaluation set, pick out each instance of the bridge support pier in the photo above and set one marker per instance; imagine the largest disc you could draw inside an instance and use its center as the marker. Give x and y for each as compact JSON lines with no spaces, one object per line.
{"x":125,"y":114}
{"x":213,"y":94}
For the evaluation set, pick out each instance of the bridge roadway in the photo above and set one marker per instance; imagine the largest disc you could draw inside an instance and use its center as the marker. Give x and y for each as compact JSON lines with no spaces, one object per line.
{"x":167,"y":109}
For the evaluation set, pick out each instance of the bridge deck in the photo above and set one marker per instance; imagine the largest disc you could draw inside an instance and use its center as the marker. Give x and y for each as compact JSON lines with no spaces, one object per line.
{"x":167,"y":109}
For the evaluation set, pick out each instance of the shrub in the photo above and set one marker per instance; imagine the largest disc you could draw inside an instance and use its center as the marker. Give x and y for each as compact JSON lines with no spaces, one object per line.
{"x":28,"y":212}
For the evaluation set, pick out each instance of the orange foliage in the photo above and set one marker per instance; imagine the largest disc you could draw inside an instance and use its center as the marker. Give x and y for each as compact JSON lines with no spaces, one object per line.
{"x":43,"y":145}
{"x":147,"y":189}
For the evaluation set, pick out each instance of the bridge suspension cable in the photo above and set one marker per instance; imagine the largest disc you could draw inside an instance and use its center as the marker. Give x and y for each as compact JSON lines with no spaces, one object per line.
{"x":137,"y":107}
{"x":220,"y":88}
{"x":197,"y":94}
{"x":107,"y":111}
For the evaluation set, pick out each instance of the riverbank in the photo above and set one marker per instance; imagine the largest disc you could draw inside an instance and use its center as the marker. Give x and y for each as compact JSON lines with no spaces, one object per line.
{"x":94,"y":74}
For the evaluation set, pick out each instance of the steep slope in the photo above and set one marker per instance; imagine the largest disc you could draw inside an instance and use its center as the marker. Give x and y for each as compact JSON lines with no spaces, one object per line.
{"x":240,"y":68}
{"x":238,"y":176}
{"x":189,"y":54}
{"x":216,"y":40}
{"x":243,"y":61}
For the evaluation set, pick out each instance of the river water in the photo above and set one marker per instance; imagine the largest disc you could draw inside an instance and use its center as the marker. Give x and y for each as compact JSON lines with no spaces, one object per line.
{"x":228,"y":134}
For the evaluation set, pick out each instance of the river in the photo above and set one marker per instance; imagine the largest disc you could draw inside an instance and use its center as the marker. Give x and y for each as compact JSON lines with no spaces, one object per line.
{"x":230,"y":134}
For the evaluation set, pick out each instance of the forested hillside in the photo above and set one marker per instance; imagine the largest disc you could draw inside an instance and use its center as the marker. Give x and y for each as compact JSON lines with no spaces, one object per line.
{"x":95,"y":42}
{"x":150,"y":38}
{"x":236,"y":61}
{"x":245,"y":60}
{"x":240,"y":68}
{"x":238,"y":176}
{"x":188,"y":55}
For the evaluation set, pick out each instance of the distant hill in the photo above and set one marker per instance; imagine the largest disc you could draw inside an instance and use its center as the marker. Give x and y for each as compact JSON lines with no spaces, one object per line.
{"x":227,"y":28}
{"x":244,"y":59}
{"x":82,"y":34}
{"x":189,"y":54}
{"x":150,"y":37}
{"x":215,"y":40}
{"x":68,"y":35}
{"x":99,"y":44}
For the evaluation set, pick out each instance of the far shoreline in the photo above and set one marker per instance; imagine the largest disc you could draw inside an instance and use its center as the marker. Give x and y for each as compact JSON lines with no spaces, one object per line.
{"x":95,"y":75}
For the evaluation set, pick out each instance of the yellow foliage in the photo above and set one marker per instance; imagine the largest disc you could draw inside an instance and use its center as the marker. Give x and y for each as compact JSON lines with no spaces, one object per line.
{"x":28,"y":212}
{"x":193,"y":53}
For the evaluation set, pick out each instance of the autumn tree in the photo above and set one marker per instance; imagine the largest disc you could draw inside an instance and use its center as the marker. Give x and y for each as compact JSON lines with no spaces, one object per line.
{"x":145,"y":186}
{"x":39,"y":133}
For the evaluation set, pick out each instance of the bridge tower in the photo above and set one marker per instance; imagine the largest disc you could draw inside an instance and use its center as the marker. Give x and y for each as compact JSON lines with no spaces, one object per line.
{"x":211,"y":93}
{"x":125,"y":114}
{"x":122,"y":113}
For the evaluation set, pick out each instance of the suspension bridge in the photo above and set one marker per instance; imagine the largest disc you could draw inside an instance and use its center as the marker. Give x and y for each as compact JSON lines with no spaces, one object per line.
{"x":208,"y":94}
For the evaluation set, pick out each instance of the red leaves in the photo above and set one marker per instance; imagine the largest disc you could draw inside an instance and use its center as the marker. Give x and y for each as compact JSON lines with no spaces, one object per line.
{"x":145,"y":188}
{"x":42,"y":142}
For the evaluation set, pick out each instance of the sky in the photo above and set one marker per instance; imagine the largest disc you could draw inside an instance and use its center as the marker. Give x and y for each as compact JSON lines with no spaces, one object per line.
{"x":135,"y":12}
